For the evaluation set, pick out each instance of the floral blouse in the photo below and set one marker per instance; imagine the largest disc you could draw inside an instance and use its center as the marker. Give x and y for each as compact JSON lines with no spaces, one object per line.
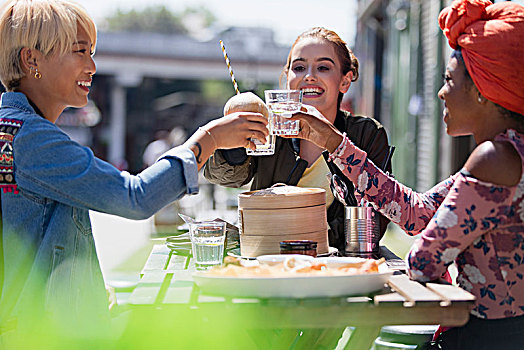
{"x":476,"y":224}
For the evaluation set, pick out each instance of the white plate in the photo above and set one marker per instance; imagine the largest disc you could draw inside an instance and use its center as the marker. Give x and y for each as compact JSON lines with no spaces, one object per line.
{"x":296,"y":286}
{"x":332,"y":261}
{"x":236,"y":253}
{"x":342,"y":260}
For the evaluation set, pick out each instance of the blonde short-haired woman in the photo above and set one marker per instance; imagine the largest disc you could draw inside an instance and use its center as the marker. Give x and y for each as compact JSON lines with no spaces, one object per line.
{"x":49,"y":183}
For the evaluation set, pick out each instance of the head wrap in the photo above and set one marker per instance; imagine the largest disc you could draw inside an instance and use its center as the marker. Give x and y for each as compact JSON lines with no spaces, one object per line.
{"x":492,"y":40}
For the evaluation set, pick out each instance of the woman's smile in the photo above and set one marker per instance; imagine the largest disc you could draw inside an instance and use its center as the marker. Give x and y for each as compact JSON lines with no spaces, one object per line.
{"x":312,"y":91}
{"x":315,"y":69}
{"x":84,"y":84}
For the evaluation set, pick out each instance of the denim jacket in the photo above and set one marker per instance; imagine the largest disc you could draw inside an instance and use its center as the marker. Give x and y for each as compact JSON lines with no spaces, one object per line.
{"x":49,"y":183}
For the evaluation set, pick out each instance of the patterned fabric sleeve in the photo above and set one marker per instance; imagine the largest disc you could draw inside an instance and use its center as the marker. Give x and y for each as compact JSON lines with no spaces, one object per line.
{"x":469,"y":210}
{"x":403,"y":206}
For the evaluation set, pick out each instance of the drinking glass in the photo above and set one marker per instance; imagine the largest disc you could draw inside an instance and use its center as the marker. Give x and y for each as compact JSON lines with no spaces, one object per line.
{"x":263,"y":149}
{"x":282,"y":104}
{"x":207,"y":241}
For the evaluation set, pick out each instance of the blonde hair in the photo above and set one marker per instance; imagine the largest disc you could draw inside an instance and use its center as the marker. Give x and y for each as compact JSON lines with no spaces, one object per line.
{"x":49,"y":26}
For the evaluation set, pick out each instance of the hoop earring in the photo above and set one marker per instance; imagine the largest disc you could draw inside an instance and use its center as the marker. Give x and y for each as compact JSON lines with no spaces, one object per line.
{"x":36,"y":73}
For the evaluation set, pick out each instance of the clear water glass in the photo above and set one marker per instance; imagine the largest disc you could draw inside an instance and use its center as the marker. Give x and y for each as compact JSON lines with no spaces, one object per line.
{"x":207,"y":243}
{"x":282,"y":104}
{"x":263,"y":149}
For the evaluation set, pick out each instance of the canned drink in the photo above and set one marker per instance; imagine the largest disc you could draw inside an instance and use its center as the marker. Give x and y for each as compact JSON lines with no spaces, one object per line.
{"x":362,"y":231}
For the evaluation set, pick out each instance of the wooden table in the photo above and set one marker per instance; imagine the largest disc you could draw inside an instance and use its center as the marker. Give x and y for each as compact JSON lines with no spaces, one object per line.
{"x":167,"y":286}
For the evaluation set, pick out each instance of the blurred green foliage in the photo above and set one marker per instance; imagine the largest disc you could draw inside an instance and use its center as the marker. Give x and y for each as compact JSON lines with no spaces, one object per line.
{"x":158,"y":19}
{"x":153,"y":328}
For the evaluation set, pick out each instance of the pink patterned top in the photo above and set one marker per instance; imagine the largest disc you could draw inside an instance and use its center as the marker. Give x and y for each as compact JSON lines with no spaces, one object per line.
{"x":476,"y":224}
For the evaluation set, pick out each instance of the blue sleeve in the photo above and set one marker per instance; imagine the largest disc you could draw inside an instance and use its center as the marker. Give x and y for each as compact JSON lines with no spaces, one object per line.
{"x":49,"y":164}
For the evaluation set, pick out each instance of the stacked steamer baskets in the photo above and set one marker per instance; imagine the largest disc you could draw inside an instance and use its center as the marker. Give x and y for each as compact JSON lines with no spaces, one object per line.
{"x":280,"y":213}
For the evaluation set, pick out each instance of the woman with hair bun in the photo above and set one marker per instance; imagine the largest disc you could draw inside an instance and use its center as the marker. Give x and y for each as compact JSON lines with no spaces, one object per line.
{"x":323,"y":67}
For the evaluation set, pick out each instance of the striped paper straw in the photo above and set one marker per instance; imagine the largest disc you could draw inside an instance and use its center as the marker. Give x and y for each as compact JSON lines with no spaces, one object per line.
{"x":229,"y":67}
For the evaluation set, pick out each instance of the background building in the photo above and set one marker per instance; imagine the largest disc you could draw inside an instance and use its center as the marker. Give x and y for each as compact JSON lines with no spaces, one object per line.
{"x":147,"y":82}
{"x":403,"y":55}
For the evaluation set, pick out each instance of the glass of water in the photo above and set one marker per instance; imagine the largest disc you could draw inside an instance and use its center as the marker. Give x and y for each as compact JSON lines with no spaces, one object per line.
{"x":207,"y":243}
{"x":282,"y":104}
{"x":263,"y":149}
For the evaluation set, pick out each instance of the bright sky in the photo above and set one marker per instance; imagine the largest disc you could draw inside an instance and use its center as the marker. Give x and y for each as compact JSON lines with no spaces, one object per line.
{"x":288,"y":18}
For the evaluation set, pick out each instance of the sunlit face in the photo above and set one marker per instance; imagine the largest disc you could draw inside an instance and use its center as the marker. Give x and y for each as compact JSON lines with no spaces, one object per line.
{"x":459,"y":95}
{"x":66,"y":79}
{"x":316,"y":70}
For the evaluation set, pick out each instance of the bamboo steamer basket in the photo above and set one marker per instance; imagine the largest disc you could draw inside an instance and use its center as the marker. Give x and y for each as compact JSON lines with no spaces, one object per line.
{"x":281,"y":213}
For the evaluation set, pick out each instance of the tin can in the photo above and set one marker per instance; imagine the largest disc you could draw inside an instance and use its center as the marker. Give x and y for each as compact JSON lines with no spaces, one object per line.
{"x":362,"y":231}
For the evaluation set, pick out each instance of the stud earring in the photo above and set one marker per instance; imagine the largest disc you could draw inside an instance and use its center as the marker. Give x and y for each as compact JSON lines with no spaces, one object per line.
{"x":36,"y":73}
{"x":479,"y":99}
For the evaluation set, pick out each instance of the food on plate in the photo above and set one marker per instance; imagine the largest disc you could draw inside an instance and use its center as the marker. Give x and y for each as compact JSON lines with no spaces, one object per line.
{"x":230,"y":260}
{"x":293,"y":266}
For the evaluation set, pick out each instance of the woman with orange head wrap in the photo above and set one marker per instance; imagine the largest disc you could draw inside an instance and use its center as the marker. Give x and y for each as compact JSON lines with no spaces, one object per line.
{"x":475,"y":218}
{"x":491,"y":38}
